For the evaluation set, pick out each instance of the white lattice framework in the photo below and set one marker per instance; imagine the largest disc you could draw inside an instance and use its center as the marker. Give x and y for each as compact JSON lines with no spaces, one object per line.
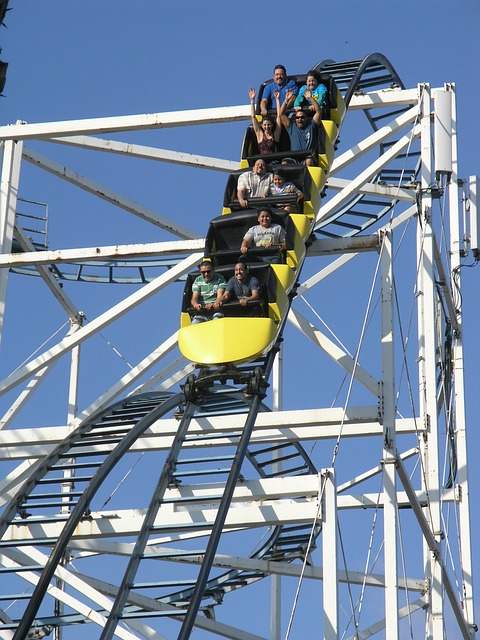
{"x":392,"y":471}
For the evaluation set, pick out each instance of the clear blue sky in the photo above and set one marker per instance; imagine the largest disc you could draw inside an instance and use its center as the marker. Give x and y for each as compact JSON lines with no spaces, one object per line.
{"x":70,"y":60}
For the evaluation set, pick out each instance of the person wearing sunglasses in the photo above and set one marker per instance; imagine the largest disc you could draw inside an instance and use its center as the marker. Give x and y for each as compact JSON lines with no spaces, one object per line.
{"x":207,"y":293}
{"x":303,"y":130}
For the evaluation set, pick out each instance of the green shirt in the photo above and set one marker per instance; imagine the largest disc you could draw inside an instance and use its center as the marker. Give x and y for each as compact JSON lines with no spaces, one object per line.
{"x":208,"y":290}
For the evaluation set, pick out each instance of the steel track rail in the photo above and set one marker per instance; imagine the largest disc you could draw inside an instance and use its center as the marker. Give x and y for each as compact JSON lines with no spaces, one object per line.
{"x":147,"y":408}
{"x":361,"y":211}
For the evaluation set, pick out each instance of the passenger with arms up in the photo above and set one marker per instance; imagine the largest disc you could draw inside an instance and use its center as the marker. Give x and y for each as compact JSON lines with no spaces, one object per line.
{"x":318,"y":92}
{"x":281,"y":83}
{"x":207,"y":293}
{"x":268,"y":136}
{"x":282,"y":188}
{"x":265,"y":234}
{"x":254,"y":183}
{"x":302,"y":130}
{"x":242,"y":286}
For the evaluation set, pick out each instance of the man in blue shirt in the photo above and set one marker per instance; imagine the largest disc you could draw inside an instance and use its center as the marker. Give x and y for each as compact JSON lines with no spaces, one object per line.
{"x":282,"y":83}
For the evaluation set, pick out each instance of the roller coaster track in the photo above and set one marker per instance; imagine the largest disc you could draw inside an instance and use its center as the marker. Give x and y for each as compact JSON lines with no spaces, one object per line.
{"x":361,"y":211}
{"x":91,"y":452}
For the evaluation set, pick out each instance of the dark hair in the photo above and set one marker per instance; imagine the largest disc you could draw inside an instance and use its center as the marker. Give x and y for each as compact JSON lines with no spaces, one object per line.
{"x":265,"y":210}
{"x":206,"y":262}
{"x":281,"y":173}
{"x":280,"y":66}
{"x":269,"y":119}
{"x":315,"y":74}
{"x":301,"y":111}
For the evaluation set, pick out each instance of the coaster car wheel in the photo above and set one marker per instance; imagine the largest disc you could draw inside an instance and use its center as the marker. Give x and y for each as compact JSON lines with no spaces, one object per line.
{"x":256,"y":384}
{"x":191,"y":391}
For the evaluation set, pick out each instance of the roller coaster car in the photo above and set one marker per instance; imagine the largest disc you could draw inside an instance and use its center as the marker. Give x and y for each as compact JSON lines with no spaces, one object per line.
{"x":310,"y":181}
{"x":244,"y":334}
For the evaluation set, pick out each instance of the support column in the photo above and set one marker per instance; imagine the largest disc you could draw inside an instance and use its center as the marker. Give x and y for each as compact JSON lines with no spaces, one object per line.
{"x":462,"y":494}
{"x":276,"y":580}
{"x":68,"y":474}
{"x":427,"y":375}
{"x":330,"y":555}
{"x":12,"y":156}
{"x":387,"y":399}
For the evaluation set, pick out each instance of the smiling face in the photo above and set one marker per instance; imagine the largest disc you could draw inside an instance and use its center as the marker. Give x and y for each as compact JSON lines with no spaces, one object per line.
{"x":264,"y":219}
{"x":311,"y":82}
{"x":279,"y":76}
{"x":278,"y":181}
{"x":240,"y":272}
{"x":267,"y":125}
{"x":260,"y":168}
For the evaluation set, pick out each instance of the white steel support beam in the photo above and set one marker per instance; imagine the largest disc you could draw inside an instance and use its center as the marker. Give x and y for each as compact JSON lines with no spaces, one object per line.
{"x":107,"y":194}
{"x":129,"y":378}
{"x":462,"y":486}
{"x":342,"y":358}
{"x":46,"y":130}
{"x":330,"y":555}
{"x":172,"y":374}
{"x":427,"y":374}
{"x":274,"y":567}
{"x":150,"y":153}
{"x":24,"y":397}
{"x":405,"y":612}
{"x":74,"y":376}
{"x":276,"y":581}
{"x":12,"y":156}
{"x":387,"y":401}
{"x":378,"y":190}
{"x":12,"y":557}
{"x":90,"y":254}
{"x":431,"y":541}
{"x":55,"y":287}
{"x":304,"y":424}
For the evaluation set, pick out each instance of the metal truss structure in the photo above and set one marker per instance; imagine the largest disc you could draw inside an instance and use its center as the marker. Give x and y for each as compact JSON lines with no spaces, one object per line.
{"x":357,"y":506}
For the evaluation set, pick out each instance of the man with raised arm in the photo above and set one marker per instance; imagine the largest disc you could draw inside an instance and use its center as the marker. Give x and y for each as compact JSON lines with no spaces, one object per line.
{"x":302,"y":130}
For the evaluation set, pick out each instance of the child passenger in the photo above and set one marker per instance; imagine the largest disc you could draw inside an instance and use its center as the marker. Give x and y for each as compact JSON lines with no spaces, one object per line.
{"x":280,"y":187}
{"x":265,"y":235}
